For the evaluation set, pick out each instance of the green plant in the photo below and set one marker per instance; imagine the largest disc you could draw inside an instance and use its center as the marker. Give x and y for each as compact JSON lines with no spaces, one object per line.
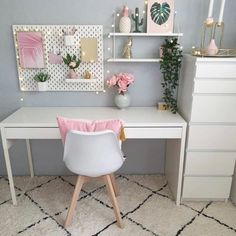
{"x":41,"y":77}
{"x":71,"y":61}
{"x":170,"y":65}
{"x":135,"y":18}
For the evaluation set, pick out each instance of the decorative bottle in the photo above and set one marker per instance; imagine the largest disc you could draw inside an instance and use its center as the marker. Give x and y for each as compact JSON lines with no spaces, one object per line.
{"x":125,"y":22}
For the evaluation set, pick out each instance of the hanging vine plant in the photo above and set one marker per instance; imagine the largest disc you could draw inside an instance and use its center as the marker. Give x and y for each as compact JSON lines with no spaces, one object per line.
{"x":170,"y":65}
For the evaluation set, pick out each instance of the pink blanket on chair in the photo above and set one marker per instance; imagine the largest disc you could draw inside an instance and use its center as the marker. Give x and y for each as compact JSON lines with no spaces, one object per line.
{"x":66,"y":125}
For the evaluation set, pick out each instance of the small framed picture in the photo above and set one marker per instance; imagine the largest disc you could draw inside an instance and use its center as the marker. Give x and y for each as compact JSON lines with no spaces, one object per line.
{"x":160,"y":16}
{"x":30,"y":49}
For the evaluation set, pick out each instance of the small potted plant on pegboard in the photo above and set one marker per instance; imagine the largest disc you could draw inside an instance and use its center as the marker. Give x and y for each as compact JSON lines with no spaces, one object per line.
{"x":42,"y":79}
{"x":73,"y":62}
{"x":69,"y":36}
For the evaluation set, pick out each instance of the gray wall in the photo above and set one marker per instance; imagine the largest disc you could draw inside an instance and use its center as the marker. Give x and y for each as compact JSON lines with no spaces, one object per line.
{"x":144,"y":156}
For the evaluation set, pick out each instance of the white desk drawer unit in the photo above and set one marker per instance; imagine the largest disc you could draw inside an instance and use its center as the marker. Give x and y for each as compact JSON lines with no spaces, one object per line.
{"x":213,"y":108}
{"x":218,"y":86}
{"x":212,"y":137}
{"x":210,"y":163}
{"x":211,"y":68}
{"x":207,"y":98}
{"x":206,"y":187}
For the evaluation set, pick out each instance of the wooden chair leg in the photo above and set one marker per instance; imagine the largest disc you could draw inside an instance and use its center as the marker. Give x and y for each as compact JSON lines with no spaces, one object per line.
{"x":111,"y":193}
{"x":114,"y":184}
{"x":78,"y":186}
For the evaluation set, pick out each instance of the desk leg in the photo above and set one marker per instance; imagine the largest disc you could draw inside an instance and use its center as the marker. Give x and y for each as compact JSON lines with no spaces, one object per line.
{"x":8,"y":166}
{"x":29,"y":156}
{"x":175,"y":149}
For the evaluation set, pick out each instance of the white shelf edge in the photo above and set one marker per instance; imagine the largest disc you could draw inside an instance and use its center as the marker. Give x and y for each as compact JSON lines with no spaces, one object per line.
{"x":133,"y":60}
{"x":147,"y":34}
{"x":80,"y":80}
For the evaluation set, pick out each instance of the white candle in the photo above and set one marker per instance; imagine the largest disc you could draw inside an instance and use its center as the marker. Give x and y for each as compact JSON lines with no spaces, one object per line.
{"x":222,"y":7}
{"x":210,"y":8}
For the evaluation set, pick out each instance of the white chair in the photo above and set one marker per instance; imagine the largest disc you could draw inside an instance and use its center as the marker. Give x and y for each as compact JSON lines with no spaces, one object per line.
{"x":93,"y":154}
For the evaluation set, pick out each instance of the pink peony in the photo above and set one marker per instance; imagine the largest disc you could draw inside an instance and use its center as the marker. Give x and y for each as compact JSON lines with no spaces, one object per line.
{"x":121,"y":81}
{"x":112,"y":81}
{"x":72,"y":64}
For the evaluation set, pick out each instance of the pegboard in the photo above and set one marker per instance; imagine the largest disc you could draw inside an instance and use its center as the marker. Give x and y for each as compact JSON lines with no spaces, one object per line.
{"x":53,"y":38}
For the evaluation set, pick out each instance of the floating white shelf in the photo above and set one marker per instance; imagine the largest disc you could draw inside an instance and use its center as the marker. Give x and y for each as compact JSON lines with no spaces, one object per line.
{"x":147,"y":34}
{"x":134,"y":60}
{"x":81,"y":80}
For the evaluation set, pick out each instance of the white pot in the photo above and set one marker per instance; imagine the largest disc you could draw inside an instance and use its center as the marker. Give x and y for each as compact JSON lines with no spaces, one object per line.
{"x":69,"y":40}
{"x":122,"y":101}
{"x":42,"y":86}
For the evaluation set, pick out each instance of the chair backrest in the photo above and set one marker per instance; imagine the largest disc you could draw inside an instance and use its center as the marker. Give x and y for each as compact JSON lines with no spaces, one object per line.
{"x":92,"y":153}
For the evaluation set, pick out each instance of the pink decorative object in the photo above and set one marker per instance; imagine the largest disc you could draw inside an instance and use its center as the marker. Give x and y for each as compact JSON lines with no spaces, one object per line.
{"x":125,"y":22}
{"x":125,"y":11}
{"x":72,"y":74}
{"x":66,"y":125}
{"x":160,"y":16}
{"x":54,"y":58}
{"x":121,"y":81}
{"x":30,"y":45}
{"x":212,"y":49}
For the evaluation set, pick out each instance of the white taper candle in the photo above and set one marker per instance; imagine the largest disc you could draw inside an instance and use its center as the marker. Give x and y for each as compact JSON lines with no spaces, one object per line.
{"x":222,"y":7}
{"x":210,"y":10}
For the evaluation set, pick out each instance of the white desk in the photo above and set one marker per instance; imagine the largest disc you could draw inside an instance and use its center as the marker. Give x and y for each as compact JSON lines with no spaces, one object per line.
{"x":140,"y":123}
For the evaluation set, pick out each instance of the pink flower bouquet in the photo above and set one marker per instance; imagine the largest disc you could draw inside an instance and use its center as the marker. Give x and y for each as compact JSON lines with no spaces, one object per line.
{"x":121,"y":81}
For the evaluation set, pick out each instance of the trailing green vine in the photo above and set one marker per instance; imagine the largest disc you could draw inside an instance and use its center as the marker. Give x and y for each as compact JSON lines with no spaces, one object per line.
{"x":170,"y":65}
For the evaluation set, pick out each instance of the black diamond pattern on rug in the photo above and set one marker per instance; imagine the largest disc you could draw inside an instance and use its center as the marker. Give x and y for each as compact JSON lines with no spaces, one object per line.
{"x":145,"y":202}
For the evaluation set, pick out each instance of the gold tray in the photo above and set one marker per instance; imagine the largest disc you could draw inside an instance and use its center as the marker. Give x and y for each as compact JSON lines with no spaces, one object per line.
{"x":221,"y":53}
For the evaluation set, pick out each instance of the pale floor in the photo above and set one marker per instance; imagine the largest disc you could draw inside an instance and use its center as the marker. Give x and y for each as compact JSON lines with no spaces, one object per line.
{"x":145,"y":204}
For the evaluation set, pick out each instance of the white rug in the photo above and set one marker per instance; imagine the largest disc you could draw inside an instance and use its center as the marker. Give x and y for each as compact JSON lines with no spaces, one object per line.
{"x":145,"y":204}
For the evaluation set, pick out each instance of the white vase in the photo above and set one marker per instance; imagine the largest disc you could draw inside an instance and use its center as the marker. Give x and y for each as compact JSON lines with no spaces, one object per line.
{"x":42,"y":86}
{"x":122,"y":100}
{"x":125,"y":22}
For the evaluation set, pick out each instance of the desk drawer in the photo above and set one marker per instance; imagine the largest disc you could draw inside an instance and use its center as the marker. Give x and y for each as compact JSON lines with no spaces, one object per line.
{"x":213,"y":108}
{"x":210,"y":163}
{"x":153,"y":133}
{"x":215,"y":86}
{"x":212,"y":137}
{"x":216,"y":70}
{"x":206,"y":187}
{"x":53,"y":133}
{"x":32,"y":133}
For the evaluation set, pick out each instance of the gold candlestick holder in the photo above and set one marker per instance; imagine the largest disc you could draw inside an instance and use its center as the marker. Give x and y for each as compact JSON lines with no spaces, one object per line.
{"x":214,"y":30}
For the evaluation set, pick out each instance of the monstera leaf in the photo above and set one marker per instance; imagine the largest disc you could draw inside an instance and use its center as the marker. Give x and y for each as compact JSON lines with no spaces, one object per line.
{"x":160,"y":12}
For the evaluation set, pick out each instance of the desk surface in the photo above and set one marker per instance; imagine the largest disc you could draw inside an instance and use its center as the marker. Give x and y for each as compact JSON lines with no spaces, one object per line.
{"x":132,"y":116}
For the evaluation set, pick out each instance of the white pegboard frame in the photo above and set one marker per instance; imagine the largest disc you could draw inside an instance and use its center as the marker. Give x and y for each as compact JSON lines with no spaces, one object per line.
{"x":54,"y":38}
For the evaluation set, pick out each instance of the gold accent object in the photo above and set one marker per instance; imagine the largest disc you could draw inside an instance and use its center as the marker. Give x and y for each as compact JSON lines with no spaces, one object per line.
{"x":162,"y":106}
{"x":88,"y":49}
{"x":87,"y":75}
{"x":127,"y":53}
